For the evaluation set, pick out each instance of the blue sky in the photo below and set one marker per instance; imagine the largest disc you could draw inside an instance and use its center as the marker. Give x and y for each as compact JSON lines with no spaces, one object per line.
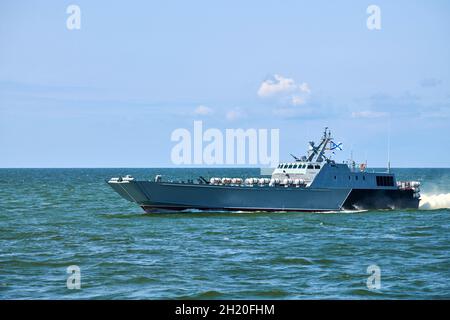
{"x":111,"y":93}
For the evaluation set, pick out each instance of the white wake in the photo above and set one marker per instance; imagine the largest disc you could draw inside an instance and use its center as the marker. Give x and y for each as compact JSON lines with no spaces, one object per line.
{"x":434,"y":201}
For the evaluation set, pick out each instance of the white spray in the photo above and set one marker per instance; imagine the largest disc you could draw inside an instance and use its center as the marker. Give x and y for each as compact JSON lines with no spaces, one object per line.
{"x":434,"y":201}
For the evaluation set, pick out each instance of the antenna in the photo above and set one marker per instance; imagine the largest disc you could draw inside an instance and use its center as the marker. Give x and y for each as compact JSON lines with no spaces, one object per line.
{"x":389,"y":145}
{"x":351,"y":153}
{"x":352,"y":163}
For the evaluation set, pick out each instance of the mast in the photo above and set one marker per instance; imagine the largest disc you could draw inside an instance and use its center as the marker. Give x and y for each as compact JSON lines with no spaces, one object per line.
{"x":389,"y":146}
{"x":319,"y":152}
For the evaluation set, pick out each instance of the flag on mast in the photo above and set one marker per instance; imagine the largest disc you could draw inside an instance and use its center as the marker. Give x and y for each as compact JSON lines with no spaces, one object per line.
{"x":335,"y":146}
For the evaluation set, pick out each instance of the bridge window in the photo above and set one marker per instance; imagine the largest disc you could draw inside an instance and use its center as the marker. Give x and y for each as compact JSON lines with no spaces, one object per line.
{"x":290,"y":166}
{"x":285,"y":166}
{"x":310,"y":166}
{"x":295,"y":166}
{"x":385,"y":181}
{"x":317,"y":167}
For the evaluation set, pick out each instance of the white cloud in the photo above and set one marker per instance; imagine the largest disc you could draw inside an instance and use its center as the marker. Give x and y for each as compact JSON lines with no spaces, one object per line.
{"x":234,"y":114}
{"x":286,"y":90}
{"x":304,"y":87}
{"x":203,"y":111}
{"x":369,"y":114}
{"x":278,"y":84}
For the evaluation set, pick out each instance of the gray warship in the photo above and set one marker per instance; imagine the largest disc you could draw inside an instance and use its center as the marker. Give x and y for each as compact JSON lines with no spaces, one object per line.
{"x":311,"y":183}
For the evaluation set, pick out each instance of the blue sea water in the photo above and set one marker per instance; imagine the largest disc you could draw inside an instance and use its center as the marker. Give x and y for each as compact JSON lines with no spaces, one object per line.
{"x":53,"y":218}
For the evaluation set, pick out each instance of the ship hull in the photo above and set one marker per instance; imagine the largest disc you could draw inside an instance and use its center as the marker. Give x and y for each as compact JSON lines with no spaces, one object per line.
{"x":153,"y":196}
{"x":170,"y":197}
{"x":361,"y":199}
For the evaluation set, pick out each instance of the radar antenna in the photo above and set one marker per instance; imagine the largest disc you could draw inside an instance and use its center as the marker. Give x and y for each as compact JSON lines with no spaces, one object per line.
{"x":318,"y":153}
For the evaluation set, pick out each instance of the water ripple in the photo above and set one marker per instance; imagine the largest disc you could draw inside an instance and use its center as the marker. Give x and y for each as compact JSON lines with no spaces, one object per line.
{"x":53,"y":218}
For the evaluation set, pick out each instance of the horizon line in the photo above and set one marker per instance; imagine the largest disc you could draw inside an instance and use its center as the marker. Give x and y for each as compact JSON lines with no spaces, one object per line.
{"x":197,"y":167}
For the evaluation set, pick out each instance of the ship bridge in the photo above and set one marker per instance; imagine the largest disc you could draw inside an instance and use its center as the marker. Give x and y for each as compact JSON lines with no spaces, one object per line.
{"x":297,"y":170}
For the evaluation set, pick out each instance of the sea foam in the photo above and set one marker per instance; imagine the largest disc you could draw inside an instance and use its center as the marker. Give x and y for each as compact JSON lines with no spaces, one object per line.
{"x":434,"y":201}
